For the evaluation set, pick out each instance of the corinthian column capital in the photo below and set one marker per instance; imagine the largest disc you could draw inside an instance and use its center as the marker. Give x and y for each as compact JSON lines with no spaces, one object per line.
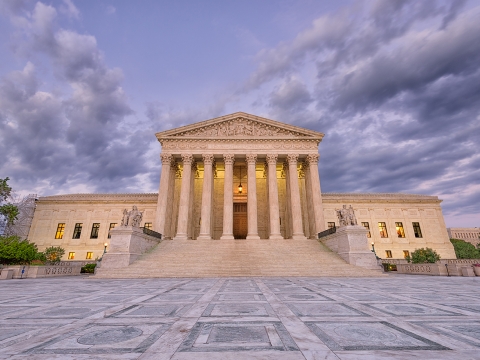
{"x":187,"y":159}
{"x":166,"y":158}
{"x":272,"y":159}
{"x":251,"y":159}
{"x":312,"y":159}
{"x":292,"y":159}
{"x":229,"y":159}
{"x":208,"y":159}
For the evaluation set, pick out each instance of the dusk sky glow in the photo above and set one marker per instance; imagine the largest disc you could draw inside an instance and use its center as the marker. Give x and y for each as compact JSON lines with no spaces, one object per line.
{"x":394,"y":85}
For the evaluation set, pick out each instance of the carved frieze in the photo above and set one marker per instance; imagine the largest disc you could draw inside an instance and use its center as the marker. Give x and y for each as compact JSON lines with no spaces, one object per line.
{"x":246,"y":144}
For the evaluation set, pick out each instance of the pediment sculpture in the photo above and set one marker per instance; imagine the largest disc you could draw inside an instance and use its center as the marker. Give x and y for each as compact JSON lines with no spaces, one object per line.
{"x":239,"y":127}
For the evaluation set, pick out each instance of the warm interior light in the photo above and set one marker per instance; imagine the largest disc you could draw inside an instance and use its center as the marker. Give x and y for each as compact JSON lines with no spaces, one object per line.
{"x":240,"y":188}
{"x":105,"y":244}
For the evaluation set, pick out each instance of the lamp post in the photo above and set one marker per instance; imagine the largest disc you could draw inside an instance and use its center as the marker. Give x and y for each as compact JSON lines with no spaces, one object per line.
{"x":240,"y":187}
{"x":105,"y":248}
{"x":373,"y":248}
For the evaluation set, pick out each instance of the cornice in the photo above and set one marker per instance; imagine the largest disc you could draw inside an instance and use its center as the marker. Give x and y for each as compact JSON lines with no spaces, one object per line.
{"x":379,"y":197}
{"x":149,"y":197}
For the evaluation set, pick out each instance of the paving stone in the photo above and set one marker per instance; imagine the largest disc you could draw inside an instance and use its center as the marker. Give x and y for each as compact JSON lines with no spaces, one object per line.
{"x":394,"y":317}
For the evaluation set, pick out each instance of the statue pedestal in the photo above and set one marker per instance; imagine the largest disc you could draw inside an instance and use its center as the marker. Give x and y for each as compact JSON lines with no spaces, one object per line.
{"x":351,"y":243}
{"x":127,"y":243}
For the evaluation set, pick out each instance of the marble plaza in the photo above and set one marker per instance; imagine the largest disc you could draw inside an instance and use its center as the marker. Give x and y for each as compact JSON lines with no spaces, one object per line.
{"x":395,"y":317}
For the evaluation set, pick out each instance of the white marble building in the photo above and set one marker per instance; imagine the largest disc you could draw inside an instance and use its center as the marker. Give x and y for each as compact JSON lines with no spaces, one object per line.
{"x":240,"y":177}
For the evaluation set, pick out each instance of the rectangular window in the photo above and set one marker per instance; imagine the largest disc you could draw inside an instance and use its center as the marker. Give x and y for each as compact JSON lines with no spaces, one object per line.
{"x":95,"y":230}
{"x":77,"y":231}
{"x":71,"y":255}
{"x":331,"y":225}
{"x":149,"y":226}
{"x":89,"y":255}
{"x":383,"y":229}
{"x":367,"y":226}
{"x":60,"y":231}
{"x":388,"y":253}
{"x":112,"y":225}
{"x":400,"y":231}
{"x":417,"y":230}
{"x":406,"y":253}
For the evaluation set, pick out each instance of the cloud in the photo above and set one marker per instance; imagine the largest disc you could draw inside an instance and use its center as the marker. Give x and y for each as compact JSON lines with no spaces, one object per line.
{"x":111,"y":10}
{"x":77,"y":136}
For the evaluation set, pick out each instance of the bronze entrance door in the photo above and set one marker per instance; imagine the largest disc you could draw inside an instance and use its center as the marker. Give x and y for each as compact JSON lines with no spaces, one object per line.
{"x":240,"y":228}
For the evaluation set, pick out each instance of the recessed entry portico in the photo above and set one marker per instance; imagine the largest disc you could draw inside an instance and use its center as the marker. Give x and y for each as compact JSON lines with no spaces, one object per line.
{"x":203,"y":165}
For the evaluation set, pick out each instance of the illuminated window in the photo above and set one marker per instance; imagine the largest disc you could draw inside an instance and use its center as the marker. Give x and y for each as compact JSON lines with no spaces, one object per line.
{"x":367,"y":226}
{"x":400,"y":231}
{"x":71,"y":255}
{"x":331,"y":225}
{"x":148,"y":226}
{"x":388,"y":253}
{"x":60,"y":231}
{"x":383,"y":229}
{"x":89,"y":255}
{"x":406,"y":253}
{"x":95,"y":230}
{"x":112,"y":225}
{"x":77,"y":231}
{"x":417,"y":230}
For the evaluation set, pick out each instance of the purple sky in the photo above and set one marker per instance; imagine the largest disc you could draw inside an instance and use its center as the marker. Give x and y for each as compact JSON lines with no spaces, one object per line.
{"x":394,"y":85}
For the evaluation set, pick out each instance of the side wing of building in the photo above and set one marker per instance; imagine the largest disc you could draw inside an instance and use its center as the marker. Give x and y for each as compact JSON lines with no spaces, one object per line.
{"x":399,"y":223}
{"x":80,"y":223}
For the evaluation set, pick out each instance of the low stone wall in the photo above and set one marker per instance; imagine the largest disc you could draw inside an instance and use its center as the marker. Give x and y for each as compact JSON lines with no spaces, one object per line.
{"x":422,"y":269}
{"x":454,"y":267}
{"x":32,"y":272}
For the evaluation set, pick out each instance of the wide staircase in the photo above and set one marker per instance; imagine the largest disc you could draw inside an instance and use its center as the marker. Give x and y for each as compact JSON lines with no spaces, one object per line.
{"x":221,"y":258}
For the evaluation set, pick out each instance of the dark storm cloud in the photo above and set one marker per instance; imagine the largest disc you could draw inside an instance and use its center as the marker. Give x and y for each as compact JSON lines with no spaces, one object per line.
{"x":79,"y":138}
{"x":397,"y":94}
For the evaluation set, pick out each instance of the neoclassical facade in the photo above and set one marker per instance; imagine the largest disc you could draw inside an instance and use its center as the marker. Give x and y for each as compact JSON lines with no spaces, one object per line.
{"x":240,"y":177}
{"x":250,"y":175}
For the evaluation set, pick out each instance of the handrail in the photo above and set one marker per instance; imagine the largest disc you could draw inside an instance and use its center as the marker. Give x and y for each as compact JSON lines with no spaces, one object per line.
{"x":327,"y":232}
{"x":152,"y":233}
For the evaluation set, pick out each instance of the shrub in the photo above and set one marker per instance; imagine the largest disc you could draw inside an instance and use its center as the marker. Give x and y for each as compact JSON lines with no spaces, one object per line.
{"x":14,"y":250}
{"x":422,"y":256}
{"x":54,"y":254}
{"x":465,"y":250}
{"x":88,"y":268}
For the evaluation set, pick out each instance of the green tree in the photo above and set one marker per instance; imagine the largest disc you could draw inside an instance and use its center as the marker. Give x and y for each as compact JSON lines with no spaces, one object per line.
{"x":53,"y":254}
{"x":14,"y":250}
{"x":422,"y":256}
{"x":465,"y":250}
{"x":6,"y":209}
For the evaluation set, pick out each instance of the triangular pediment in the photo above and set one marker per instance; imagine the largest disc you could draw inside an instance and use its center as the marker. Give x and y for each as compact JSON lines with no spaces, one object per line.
{"x":239,"y":125}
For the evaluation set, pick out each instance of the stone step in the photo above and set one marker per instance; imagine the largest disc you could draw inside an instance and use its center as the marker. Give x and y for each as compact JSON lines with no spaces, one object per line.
{"x":221,"y":258}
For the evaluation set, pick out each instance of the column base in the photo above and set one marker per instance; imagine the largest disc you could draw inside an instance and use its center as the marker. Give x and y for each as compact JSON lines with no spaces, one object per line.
{"x":227,"y":237}
{"x":275,"y":237}
{"x":204,"y":237}
{"x":298,"y":237}
{"x":180,"y":237}
{"x":253,"y":237}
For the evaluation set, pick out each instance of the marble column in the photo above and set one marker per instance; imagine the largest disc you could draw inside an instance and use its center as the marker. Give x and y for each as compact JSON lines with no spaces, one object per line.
{"x":273,"y":198}
{"x":170,"y":222}
{"x":316,"y":192}
{"x":312,"y":234}
{"x":297,"y":224}
{"x":252,"y":197}
{"x":229,"y":159}
{"x":206,"y":214}
{"x":184,"y":205}
{"x":163,"y":192}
